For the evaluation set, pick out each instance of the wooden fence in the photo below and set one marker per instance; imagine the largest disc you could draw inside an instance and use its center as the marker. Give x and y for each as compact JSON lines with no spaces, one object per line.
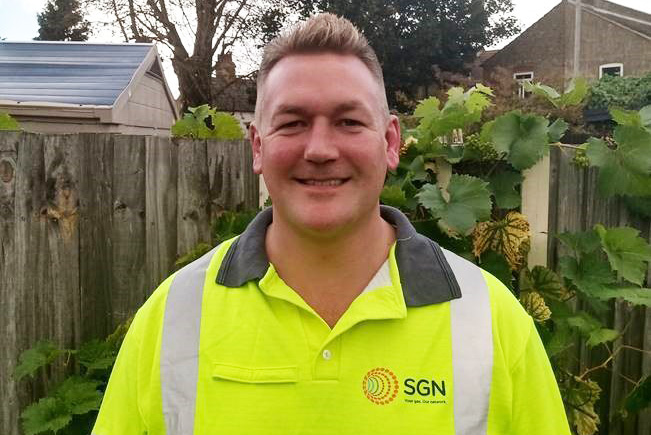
{"x":90,"y":224}
{"x":576,"y":205}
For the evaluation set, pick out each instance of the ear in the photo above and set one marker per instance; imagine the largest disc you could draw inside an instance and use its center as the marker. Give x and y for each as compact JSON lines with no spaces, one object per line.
{"x":392,"y":137}
{"x":256,"y":147}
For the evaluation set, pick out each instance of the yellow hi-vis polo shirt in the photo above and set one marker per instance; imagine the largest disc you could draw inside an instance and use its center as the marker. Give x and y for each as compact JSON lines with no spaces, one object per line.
{"x":433,"y":345}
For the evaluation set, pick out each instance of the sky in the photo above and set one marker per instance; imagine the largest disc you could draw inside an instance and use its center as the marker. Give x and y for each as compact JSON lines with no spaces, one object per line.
{"x":18,"y":20}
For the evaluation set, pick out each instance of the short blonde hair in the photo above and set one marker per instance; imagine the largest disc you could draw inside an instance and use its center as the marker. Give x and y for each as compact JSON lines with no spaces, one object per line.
{"x":322,"y":33}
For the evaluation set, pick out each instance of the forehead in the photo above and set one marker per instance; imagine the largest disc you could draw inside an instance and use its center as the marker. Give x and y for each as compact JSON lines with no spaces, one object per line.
{"x":317,"y":81}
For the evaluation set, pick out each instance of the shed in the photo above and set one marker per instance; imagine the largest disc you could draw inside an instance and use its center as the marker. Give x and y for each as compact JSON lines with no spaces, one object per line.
{"x":73,"y":87}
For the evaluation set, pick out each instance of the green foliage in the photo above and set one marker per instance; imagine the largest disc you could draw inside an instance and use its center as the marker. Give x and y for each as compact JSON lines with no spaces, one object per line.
{"x":8,"y":123}
{"x":623,"y":92}
{"x":411,"y":36}
{"x":627,"y":252}
{"x":625,"y":170}
{"x":62,"y":20}
{"x":74,"y":401}
{"x":575,"y":93}
{"x":230,"y":224}
{"x":42,"y":354}
{"x":468,"y":202}
{"x":640,"y":397}
{"x":203,"y":122}
{"x":504,"y":185}
{"x":523,"y":138}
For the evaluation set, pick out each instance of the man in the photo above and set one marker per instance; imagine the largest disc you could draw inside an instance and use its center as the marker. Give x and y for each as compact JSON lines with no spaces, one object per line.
{"x":329,"y":314}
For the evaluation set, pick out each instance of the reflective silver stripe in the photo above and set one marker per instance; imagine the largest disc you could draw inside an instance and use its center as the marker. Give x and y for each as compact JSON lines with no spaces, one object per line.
{"x":472,"y":348}
{"x":179,"y":356}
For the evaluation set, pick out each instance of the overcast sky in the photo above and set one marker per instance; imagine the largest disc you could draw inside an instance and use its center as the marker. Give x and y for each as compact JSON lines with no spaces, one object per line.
{"x":18,"y":18}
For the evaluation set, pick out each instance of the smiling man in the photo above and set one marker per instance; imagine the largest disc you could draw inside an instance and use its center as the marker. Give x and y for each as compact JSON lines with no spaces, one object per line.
{"x":330,"y":314}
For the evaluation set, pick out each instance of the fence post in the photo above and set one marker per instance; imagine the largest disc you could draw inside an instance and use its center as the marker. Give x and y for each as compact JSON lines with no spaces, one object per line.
{"x":535,"y":206}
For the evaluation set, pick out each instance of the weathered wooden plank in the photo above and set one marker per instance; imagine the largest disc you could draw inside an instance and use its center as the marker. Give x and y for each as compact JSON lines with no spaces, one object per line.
{"x":128,"y":233}
{"x":62,"y":158}
{"x":193,"y":219}
{"x":95,"y":214}
{"x":9,"y":143}
{"x":161,"y":197}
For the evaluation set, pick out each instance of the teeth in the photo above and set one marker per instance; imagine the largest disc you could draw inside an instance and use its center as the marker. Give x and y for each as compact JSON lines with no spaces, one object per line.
{"x":324,"y":182}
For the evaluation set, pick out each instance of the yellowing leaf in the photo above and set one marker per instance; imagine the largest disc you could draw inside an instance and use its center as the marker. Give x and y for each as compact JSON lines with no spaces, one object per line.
{"x":535,"y":305}
{"x":581,"y":397}
{"x":506,"y":237}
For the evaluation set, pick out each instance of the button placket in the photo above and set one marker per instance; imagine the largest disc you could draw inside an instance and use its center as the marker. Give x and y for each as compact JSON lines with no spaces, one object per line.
{"x":326,"y":363}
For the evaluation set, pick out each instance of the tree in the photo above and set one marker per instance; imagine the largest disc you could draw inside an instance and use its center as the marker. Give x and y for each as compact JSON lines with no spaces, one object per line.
{"x":62,"y":20}
{"x":414,"y":38}
{"x":196,"y":32}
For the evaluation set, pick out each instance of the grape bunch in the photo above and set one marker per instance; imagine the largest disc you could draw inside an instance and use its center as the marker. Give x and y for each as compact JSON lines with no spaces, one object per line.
{"x":479,"y":149}
{"x":580,"y":159}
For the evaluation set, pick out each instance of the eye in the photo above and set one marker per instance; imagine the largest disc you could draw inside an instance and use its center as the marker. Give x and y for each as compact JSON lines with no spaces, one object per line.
{"x":291,"y":124}
{"x":349,"y":122}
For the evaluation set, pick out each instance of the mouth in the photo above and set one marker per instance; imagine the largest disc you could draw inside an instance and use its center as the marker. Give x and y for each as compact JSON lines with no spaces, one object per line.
{"x":330,"y":182}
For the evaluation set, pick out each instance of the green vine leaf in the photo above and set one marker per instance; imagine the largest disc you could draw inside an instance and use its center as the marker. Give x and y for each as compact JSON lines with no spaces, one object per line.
{"x":524,"y":138}
{"x":575,"y":93}
{"x":580,"y":242}
{"x":79,"y":395}
{"x":628,"y":253}
{"x":203,"y":122}
{"x":504,"y":185}
{"x":557,"y":130}
{"x":469,"y":201}
{"x":632,"y":295}
{"x":230,"y":224}
{"x":42,"y":354}
{"x":640,"y":397}
{"x":48,"y":414}
{"x":602,"y":335}
{"x":96,"y":355}
{"x":625,"y":170}
{"x":589,"y":273}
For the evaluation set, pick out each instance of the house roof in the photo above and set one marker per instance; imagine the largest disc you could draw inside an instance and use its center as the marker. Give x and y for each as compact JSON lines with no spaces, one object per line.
{"x":64,"y":73}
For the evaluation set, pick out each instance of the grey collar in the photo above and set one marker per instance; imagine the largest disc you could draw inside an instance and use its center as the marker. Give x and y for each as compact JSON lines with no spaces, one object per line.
{"x":425,"y":275}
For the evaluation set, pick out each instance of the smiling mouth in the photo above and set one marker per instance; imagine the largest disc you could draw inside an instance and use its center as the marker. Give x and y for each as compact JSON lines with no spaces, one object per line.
{"x":326,"y":183}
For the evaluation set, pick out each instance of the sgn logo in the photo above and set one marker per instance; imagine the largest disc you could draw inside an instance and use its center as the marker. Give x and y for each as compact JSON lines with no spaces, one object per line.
{"x":424,"y":387}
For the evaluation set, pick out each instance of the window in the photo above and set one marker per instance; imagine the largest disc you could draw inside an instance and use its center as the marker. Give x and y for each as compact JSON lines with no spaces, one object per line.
{"x":522,"y":77}
{"x":611,"y":69}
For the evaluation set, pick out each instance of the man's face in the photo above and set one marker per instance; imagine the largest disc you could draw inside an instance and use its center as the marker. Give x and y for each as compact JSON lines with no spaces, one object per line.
{"x":323,"y":142}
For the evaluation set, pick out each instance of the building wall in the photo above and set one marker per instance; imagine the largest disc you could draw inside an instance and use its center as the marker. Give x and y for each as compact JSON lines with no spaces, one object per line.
{"x":147,"y":106}
{"x":547,"y":47}
{"x":541,"y":49}
{"x":603,"y":41}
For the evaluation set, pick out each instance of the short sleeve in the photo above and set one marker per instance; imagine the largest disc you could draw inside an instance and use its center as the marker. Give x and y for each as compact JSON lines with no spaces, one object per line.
{"x":120,"y":413}
{"x":537,"y":404}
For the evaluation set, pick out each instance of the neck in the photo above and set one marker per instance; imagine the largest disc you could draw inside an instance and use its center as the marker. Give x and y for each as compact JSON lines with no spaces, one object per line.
{"x":335,"y":268}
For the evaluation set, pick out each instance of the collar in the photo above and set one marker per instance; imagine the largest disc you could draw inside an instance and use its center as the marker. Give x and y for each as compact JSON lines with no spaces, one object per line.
{"x":425,"y":276}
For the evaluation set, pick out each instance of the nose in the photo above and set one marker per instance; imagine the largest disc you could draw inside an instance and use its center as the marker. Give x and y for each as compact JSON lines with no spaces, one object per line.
{"x":321,"y":145}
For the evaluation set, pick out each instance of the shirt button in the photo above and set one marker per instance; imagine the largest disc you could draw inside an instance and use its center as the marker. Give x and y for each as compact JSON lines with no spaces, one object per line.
{"x":327,"y":354}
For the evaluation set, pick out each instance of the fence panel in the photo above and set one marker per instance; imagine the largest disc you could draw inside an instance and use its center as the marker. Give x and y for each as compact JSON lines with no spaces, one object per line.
{"x":90,"y":224}
{"x":577,"y":205}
